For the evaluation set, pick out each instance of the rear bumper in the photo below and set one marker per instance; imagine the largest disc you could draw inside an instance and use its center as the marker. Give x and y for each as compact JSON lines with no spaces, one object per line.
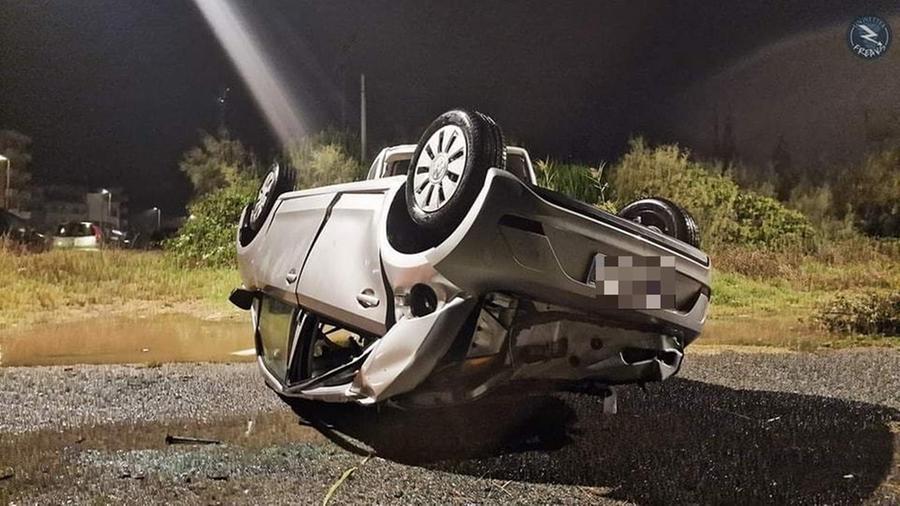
{"x":545,"y":253}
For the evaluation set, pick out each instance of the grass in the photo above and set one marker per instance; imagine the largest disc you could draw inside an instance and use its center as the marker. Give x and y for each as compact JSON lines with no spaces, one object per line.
{"x":59,"y":285}
{"x":759,"y":298}
{"x":766,"y":298}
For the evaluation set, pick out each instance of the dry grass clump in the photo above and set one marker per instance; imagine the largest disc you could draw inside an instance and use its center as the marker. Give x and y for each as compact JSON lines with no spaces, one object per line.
{"x":871,"y":313}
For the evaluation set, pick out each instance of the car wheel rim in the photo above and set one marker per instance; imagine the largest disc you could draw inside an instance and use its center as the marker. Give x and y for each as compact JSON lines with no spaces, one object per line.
{"x":263,"y":196}
{"x":439,"y":168}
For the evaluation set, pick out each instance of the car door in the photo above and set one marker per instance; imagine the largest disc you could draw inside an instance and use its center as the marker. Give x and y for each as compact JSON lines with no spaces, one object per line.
{"x":342,"y":277}
{"x":275,"y":262}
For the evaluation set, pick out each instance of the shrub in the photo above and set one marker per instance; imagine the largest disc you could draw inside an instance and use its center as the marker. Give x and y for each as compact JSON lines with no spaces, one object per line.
{"x":763,"y":221}
{"x":208,"y":236}
{"x":872,"y":313}
{"x":874,"y":193}
{"x":818,"y":204}
{"x":323,"y":159}
{"x":726,"y":214}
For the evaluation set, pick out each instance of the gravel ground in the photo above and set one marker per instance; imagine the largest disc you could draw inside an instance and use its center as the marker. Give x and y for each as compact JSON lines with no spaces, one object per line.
{"x":733,"y":428}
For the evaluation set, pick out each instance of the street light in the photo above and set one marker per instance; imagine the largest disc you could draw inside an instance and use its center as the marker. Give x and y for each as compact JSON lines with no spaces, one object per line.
{"x":6,"y":188}
{"x":104,"y":191}
{"x":158,"y":217}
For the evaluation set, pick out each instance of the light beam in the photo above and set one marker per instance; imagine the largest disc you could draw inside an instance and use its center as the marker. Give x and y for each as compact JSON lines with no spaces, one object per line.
{"x":256,"y":66}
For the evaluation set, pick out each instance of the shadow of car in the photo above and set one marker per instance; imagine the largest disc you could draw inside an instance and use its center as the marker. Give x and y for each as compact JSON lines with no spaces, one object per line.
{"x":683,"y":441}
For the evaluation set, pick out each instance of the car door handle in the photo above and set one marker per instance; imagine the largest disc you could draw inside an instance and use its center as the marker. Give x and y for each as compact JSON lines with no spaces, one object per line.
{"x":367,"y":298}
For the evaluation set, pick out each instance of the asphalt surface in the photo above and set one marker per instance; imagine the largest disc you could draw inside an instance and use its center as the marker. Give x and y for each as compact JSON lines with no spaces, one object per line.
{"x":819,"y":428}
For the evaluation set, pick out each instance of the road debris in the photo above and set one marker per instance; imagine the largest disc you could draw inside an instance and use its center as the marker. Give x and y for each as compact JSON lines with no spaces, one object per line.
{"x":186,"y":440}
{"x":346,"y":474}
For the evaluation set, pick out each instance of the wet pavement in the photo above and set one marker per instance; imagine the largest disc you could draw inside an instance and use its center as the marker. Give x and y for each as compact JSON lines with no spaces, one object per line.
{"x":118,"y":340}
{"x":747,"y":428}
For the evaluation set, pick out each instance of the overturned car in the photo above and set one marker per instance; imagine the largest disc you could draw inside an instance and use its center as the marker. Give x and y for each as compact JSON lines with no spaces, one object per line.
{"x":448,"y":273}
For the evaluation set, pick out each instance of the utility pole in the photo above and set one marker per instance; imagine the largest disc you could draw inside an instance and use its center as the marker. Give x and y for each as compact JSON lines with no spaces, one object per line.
{"x":362,"y":118}
{"x":6,"y":188}
{"x":223,"y":104}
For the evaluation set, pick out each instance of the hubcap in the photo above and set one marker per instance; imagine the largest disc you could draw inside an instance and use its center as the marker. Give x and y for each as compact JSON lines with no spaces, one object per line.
{"x":263,"y":196}
{"x":439,"y":168}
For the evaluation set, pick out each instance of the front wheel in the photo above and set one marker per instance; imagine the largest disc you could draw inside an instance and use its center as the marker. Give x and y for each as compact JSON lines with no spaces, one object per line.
{"x":449,"y":167}
{"x":279,"y":179}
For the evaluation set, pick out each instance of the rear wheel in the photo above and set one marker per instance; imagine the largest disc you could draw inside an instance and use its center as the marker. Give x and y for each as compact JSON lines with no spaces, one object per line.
{"x":449,"y":168}
{"x":665,"y":217}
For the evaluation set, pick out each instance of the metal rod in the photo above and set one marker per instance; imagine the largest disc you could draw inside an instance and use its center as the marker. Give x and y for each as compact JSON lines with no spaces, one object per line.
{"x":362,"y":118}
{"x":6,"y":188}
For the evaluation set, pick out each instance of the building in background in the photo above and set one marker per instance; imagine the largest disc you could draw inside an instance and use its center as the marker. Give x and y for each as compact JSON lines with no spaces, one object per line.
{"x":62,"y":203}
{"x":107,"y":206}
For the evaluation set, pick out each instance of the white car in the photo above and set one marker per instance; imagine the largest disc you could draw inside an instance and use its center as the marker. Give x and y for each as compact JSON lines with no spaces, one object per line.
{"x":448,"y":274}
{"x":87,"y":235}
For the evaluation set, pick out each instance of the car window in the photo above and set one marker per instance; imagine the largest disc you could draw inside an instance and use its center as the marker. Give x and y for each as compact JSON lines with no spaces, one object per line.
{"x":519,"y":167}
{"x":275,"y":322}
{"x":74,"y":229}
{"x":398,"y":167}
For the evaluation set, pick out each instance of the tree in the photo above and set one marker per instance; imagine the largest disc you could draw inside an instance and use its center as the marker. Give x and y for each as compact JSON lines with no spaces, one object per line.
{"x":15,"y":146}
{"x":787,"y":177}
{"x":873,"y":193}
{"x":218,"y":162}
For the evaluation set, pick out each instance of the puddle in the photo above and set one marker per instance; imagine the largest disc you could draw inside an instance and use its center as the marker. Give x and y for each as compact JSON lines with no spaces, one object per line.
{"x":161,"y":338}
{"x":254,"y":445}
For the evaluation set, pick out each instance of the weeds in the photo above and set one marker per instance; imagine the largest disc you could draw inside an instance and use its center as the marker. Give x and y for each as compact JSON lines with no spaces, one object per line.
{"x":36,"y":286}
{"x":871,"y":313}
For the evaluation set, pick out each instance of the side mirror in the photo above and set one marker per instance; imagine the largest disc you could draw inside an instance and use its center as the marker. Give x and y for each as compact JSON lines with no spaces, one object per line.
{"x":241,"y":298}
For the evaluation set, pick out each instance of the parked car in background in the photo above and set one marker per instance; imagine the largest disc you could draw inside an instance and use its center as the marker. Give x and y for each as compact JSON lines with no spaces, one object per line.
{"x":88,"y":235}
{"x":20,"y":232}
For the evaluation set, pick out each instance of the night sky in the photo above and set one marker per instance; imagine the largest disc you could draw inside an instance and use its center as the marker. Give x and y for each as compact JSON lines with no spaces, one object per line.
{"x":113,"y":91}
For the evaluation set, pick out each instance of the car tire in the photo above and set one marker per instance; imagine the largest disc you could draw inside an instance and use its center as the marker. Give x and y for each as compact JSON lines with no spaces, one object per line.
{"x":278,"y":180}
{"x":449,"y":167}
{"x":665,"y":217}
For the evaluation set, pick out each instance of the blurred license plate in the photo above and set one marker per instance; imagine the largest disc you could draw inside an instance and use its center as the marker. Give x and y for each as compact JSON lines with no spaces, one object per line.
{"x":634,"y":282}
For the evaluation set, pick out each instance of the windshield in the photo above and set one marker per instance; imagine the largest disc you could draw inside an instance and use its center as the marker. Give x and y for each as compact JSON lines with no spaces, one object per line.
{"x":74,"y":229}
{"x":516,"y":164}
{"x":519,"y":167}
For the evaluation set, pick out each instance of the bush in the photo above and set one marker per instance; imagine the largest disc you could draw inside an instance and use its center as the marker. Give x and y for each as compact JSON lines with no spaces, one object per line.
{"x":873,"y":313}
{"x":324,"y":159}
{"x":577,"y":181}
{"x":874,"y":193}
{"x":208,"y":236}
{"x":763,"y":221}
{"x":818,"y":204}
{"x":726,"y":214}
